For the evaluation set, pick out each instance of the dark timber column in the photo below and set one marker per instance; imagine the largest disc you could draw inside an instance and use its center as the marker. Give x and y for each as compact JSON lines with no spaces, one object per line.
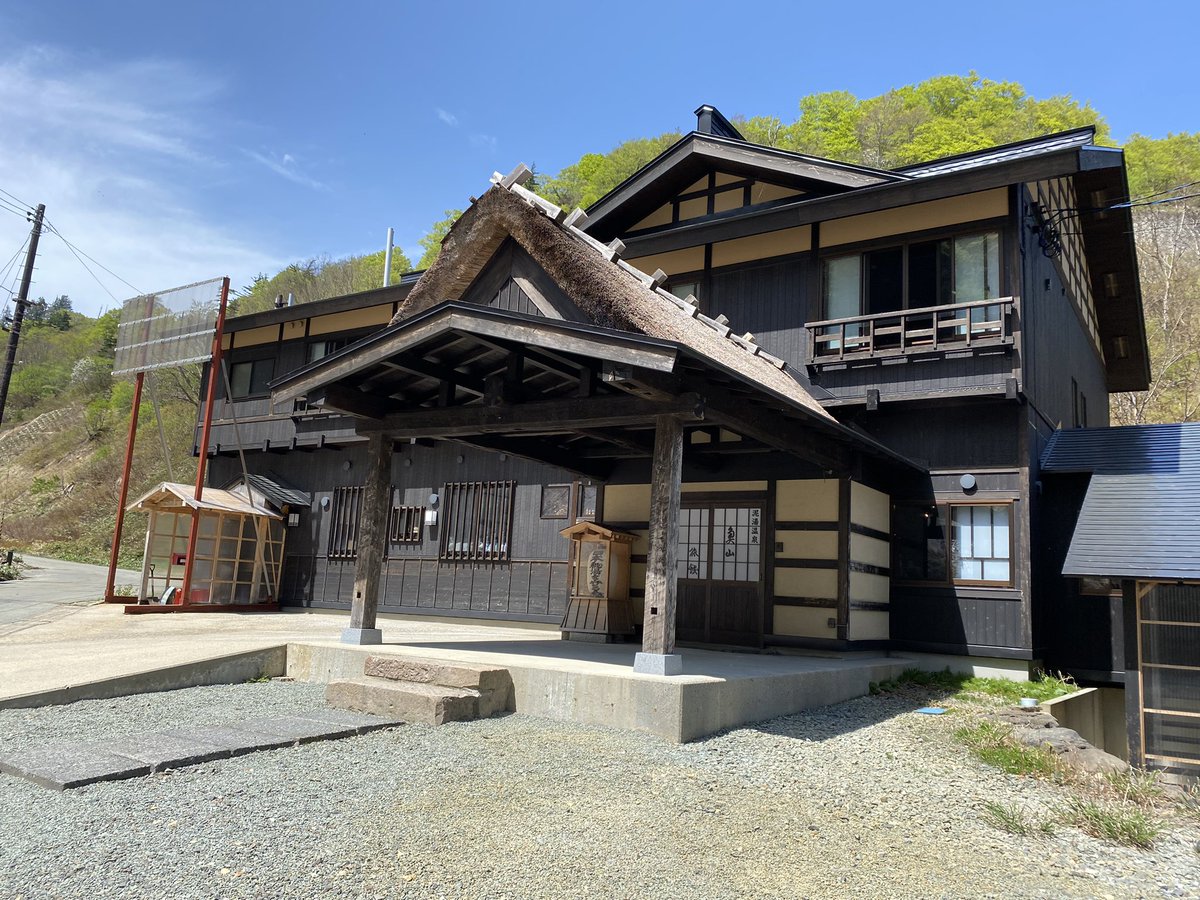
{"x":658,"y":655}
{"x":372,"y":542}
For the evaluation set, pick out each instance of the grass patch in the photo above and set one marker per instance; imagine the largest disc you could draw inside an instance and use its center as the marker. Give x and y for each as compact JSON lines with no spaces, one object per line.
{"x":966,"y":687}
{"x":1122,"y":824}
{"x":1136,"y":787}
{"x":1043,"y":687}
{"x":944,"y":681}
{"x":1014,"y":820}
{"x":994,"y":743}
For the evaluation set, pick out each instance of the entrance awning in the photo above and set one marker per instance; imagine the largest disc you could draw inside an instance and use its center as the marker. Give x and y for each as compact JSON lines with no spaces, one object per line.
{"x":572,"y":395}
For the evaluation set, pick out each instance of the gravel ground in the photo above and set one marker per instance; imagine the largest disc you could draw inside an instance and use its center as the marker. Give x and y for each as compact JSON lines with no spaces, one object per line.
{"x":863,"y":799}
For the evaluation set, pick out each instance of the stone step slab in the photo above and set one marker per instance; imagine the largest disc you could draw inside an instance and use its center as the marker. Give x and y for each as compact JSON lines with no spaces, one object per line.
{"x":410,"y":701}
{"x":441,"y":672}
{"x":66,"y":766}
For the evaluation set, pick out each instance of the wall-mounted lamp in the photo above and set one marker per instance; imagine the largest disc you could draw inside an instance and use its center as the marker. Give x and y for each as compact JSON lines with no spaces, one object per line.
{"x":324,"y":503}
{"x":968,"y":483}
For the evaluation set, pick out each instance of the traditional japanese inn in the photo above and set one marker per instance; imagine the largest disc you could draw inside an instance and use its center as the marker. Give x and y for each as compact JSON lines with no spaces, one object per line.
{"x":750,"y":400}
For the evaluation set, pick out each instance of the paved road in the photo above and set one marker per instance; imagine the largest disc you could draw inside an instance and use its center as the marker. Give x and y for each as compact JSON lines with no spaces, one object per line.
{"x":50,"y":588}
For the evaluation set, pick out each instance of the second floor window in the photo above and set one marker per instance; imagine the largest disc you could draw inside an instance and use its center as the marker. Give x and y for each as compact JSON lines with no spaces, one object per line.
{"x":251,"y":379}
{"x":943,"y":272}
{"x":321,"y":349}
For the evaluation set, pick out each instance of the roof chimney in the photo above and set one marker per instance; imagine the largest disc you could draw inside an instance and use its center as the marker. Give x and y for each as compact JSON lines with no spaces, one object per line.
{"x":279,"y":301}
{"x":710,"y":121}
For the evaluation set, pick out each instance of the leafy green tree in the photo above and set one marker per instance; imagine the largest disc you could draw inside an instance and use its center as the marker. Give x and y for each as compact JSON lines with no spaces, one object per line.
{"x":586,"y":181}
{"x":431,"y":243}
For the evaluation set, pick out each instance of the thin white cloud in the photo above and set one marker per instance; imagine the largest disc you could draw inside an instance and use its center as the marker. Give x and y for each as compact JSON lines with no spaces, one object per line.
{"x":286,"y":167}
{"x":484,"y":141}
{"x":448,"y":117}
{"x":111,"y":150}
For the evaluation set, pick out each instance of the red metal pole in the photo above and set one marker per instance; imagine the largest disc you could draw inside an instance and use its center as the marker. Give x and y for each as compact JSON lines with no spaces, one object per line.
{"x":205,"y":431}
{"x":109,"y":596}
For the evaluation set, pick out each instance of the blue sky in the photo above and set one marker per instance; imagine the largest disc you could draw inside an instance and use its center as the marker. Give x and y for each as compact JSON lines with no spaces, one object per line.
{"x":175,"y":142}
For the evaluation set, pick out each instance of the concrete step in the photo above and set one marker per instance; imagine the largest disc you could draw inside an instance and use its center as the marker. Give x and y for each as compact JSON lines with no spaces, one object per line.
{"x":410,"y":701}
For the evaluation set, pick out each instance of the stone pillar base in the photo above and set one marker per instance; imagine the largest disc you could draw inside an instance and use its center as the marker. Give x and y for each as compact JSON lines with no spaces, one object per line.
{"x":658,"y":664}
{"x":362,"y":636}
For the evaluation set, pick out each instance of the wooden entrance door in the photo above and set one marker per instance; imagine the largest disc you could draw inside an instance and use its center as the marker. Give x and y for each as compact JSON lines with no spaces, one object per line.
{"x":720,"y":570}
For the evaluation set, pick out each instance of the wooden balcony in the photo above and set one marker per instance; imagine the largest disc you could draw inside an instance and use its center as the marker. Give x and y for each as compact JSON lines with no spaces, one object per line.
{"x":933,"y":329}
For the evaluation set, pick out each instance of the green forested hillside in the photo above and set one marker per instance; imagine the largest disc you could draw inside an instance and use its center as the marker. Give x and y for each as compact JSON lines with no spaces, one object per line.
{"x":61,"y":446}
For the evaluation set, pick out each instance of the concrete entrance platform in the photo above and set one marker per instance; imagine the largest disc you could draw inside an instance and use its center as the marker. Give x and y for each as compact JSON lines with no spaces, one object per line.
{"x":99,"y":652}
{"x":595,"y":683}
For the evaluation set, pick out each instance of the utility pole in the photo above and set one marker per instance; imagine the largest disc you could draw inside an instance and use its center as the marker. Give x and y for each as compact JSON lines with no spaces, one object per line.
{"x":14,"y":334}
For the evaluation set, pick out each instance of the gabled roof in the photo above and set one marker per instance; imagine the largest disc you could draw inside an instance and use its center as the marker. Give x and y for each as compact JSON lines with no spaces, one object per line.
{"x":1027,"y":149}
{"x":612,"y":293}
{"x":696,"y":154}
{"x":396,"y":374}
{"x":173,"y":496}
{"x":1141,"y":515}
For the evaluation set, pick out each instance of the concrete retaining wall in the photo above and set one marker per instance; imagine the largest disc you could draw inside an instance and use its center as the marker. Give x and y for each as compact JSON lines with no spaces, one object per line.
{"x":231,"y":669}
{"x":1097,"y":714}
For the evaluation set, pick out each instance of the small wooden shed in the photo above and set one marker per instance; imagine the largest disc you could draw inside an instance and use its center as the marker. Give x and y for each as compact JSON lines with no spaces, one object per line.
{"x":239,"y":545}
{"x":598,"y":604}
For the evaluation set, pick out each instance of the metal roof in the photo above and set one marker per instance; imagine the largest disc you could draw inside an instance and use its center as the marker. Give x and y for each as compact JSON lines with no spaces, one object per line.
{"x":1141,"y":515}
{"x":1066,"y":140}
{"x":1138,"y":526}
{"x":274,"y":492}
{"x":1133,"y":449}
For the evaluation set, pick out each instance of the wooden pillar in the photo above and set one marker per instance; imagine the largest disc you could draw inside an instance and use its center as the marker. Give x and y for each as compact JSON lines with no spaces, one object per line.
{"x":843,"y":558}
{"x":658,"y":635}
{"x":372,"y":543}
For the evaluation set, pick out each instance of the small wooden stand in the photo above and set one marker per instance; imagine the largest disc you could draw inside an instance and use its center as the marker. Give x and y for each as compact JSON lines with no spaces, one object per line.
{"x":598,"y":607}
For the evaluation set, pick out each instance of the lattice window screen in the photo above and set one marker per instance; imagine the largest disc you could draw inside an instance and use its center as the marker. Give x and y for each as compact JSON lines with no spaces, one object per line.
{"x":343,"y":522}
{"x":477,"y":521}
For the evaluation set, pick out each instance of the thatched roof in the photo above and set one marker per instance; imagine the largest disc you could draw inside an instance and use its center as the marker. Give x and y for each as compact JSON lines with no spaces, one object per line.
{"x":608,"y":290}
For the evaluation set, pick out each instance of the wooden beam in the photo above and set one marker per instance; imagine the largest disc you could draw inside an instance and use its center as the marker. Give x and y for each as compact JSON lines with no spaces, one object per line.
{"x":372,"y":541}
{"x":540,"y":451}
{"x":658,"y":634}
{"x":549,"y":416}
{"x":437,"y":372}
{"x":774,"y":430}
{"x":347,"y":400}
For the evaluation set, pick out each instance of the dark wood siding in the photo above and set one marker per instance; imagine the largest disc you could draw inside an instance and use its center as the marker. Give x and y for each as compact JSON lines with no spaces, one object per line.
{"x":532,"y":586}
{"x":908,"y":377}
{"x":943,"y":621}
{"x":770,"y":300}
{"x":1056,"y":347}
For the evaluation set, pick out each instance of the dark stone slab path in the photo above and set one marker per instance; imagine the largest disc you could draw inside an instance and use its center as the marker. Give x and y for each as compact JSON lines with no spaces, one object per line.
{"x":65,"y":766}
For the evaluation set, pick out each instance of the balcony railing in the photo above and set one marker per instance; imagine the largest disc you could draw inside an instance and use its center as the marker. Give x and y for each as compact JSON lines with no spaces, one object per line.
{"x":933,"y":328}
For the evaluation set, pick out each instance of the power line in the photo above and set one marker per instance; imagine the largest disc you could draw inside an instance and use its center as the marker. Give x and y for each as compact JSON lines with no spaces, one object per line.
{"x":74,"y":248}
{"x":15,"y":210}
{"x":1171,"y":190}
{"x":95,"y":277}
{"x":28,"y":206}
